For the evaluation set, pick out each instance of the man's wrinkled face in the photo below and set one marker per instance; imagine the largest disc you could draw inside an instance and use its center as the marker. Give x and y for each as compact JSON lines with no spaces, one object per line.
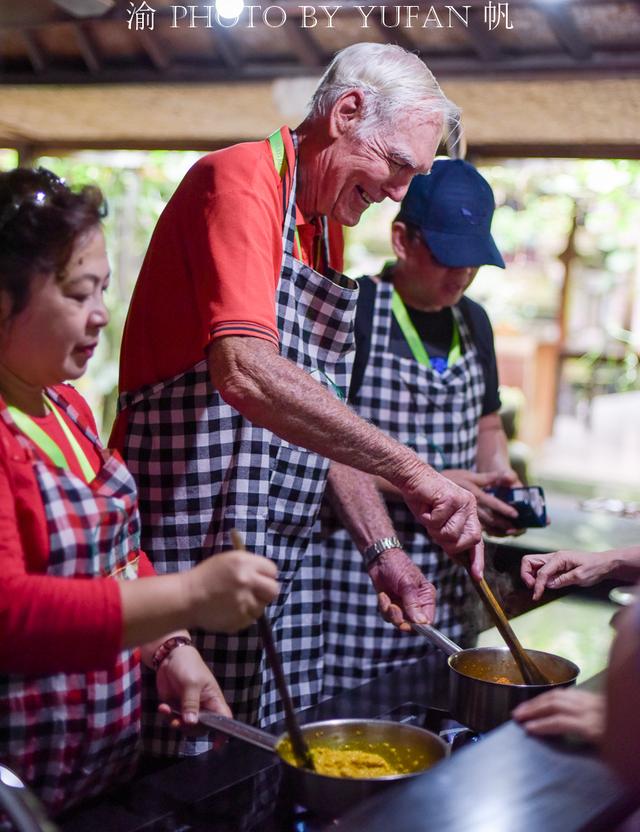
{"x":380,"y":165}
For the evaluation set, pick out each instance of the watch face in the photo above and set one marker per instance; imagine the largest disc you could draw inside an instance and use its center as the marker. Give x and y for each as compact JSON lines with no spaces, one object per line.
{"x":624,"y":595}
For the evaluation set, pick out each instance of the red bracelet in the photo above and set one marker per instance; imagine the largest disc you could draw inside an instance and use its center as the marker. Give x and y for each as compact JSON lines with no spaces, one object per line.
{"x":168,"y":647}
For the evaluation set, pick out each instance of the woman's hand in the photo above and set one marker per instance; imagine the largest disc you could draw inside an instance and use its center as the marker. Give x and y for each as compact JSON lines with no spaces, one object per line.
{"x":495,"y":515}
{"x":184,"y":681}
{"x":559,"y":569}
{"x":225,"y":593}
{"x":230,"y":590}
{"x":564,"y":711}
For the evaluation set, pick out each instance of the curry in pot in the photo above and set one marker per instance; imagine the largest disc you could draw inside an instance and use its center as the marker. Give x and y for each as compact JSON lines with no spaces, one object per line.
{"x":359,"y":757}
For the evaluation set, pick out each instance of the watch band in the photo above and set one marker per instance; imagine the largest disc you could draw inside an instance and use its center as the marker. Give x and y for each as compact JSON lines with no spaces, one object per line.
{"x":372,"y":552}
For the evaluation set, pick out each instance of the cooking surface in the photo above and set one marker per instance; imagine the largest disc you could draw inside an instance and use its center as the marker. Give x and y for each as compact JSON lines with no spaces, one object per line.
{"x":506,"y":782}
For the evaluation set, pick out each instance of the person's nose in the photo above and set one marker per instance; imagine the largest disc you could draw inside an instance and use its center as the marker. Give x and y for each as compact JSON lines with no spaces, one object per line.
{"x":99,"y":316}
{"x":397,"y":187}
{"x":396,"y":192}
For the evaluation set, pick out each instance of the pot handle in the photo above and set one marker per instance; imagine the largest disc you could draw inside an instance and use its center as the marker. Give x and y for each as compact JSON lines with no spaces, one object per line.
{"x":239,"y":730}
{"x":437,"y":638}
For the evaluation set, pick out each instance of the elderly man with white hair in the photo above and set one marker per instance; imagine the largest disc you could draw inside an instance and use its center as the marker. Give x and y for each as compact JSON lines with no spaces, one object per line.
{"x":236,"y":355}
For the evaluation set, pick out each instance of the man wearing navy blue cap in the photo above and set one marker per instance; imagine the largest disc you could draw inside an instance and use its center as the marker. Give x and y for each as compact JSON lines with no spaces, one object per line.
{"x":425,"y":372}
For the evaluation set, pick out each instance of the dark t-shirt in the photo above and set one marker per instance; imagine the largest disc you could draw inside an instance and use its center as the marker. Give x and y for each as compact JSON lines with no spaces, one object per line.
{"x":435,"y":330}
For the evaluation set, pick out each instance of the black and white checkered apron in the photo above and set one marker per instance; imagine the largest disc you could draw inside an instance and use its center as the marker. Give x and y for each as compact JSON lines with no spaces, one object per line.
{"x":69,"y":735}
{"x":436,"y":415}
{"x":203,"y":469}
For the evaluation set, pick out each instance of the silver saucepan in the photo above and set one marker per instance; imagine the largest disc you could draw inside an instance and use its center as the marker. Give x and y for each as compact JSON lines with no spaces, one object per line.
{"x":485,"y":684}
{"x":409,"y":750}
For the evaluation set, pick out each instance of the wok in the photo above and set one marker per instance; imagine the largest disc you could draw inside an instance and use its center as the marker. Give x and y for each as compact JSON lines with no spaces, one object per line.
{"x":476,"y":699}
{"x":407,"y":748}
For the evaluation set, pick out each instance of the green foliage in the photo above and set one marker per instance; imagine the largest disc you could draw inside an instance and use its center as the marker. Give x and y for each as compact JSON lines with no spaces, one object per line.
{"x":8,"y":158}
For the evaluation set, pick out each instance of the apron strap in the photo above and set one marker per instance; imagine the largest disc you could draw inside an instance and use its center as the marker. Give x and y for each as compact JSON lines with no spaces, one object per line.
{"x":413,"y":339}
{"x":278,"y":151}
{"x":46,"y":444}
{"x":281,"y":165}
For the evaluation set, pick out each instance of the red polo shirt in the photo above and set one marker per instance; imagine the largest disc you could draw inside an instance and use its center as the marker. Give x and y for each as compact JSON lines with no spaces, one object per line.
{"x":213,"y":263}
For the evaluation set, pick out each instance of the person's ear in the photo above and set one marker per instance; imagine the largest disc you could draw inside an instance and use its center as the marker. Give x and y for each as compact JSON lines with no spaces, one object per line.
{"x":346,"y":112}
{"x":400,"y":241}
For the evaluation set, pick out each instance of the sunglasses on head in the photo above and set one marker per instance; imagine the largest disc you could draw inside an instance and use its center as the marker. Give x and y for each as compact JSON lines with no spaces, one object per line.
{"x":48,"y":186}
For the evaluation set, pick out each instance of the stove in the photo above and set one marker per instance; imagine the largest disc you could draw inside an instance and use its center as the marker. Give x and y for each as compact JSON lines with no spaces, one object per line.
{"x":238,"y":788}
{"x":260,"y":804}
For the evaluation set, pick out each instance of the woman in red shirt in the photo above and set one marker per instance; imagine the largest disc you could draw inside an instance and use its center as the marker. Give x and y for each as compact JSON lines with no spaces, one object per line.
{"x":72,"y":614}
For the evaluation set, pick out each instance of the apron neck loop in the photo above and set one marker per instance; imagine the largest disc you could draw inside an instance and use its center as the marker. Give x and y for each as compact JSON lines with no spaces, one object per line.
{"x":288,"y":178}
{"x":414,"y":340}
{"x":281,"y":164}
{"x":49,"y":446}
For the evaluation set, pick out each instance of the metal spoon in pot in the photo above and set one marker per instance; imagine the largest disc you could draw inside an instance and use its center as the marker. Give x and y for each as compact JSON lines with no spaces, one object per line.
{"x":300,"y":748}
{"x":531,"y":673}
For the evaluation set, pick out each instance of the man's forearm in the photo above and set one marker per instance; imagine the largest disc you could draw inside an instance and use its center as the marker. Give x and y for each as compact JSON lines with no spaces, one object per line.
{"x":358,"y":504}
{"x":276,"y":394}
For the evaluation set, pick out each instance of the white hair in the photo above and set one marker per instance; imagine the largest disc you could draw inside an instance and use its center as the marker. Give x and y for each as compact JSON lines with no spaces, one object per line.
{"x":395,"y":82}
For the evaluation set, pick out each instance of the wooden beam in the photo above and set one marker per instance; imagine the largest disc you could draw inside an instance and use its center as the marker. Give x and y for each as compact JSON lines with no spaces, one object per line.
{"x":29,"y":14}
{"x":521,"y":67}
{"x":87,"y":49}
{"x":224,"y":47}
{"x":34,"y":50}
{"x":305,"y":47}
{"x":512,"y":150}
{"x":27,"y":154}
{"x":484,"y":43}
{"x":562,"y":23}
{"x":153,"y":50}
{"x":392,"y":35}
{"x":22,"y":15}
{"x":475,"y":153}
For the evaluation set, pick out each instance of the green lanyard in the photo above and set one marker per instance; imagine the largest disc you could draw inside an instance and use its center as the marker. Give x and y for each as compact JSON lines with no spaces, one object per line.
{"x":47,"y":444}
{"x":413,"y":339}
{"x":280,"y":161}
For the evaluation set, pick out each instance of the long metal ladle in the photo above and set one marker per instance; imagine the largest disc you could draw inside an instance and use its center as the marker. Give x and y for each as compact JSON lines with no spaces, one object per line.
{"x":300,"y":748}
{"x":531,"y":673}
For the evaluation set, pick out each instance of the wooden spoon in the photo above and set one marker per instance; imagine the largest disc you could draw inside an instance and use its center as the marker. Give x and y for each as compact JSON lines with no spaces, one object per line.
{"x":301,"y":750}
{"x":531,"y":673}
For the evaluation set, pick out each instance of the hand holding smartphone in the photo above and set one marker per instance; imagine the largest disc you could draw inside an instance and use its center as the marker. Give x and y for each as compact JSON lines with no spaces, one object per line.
{"x":528,"y":501}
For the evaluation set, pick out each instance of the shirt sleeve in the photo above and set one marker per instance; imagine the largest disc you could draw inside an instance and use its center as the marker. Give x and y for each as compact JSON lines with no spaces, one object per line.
{"x":50,"y":624}
{"x":233,"y":233}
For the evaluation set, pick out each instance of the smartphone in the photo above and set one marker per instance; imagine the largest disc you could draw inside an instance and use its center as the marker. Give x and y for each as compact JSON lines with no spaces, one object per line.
{"x":529,"y":502}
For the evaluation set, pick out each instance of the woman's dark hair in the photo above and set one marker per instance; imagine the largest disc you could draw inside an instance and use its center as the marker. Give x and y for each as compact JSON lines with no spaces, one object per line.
{"x":40,"y":221}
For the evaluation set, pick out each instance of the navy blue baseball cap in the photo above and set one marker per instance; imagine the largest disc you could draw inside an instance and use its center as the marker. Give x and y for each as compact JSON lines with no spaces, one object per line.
{"x":453,"y":207}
